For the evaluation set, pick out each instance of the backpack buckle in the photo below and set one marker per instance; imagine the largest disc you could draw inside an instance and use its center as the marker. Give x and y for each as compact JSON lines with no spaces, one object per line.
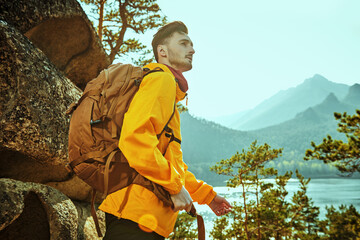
{"x":192,"y":211}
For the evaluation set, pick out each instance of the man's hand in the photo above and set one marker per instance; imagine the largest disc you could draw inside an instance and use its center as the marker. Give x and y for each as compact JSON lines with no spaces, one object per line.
{"x":220,"y":206}
{"x":182,"y":200}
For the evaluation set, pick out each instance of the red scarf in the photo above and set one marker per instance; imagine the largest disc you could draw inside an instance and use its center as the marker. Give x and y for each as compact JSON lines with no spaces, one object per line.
{"x":183,"y":84}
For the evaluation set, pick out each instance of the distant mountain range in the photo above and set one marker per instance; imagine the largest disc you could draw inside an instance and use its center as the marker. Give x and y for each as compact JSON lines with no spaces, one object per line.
{"x":286,"y":104}
{"x":312,"y":124}
{"x":205,"y":143}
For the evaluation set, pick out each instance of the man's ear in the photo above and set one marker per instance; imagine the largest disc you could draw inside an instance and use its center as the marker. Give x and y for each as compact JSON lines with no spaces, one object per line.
{"x":162,"y":50}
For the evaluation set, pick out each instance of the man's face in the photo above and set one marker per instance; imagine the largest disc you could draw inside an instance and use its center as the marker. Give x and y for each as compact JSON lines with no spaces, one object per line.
{"x":180,"y":51}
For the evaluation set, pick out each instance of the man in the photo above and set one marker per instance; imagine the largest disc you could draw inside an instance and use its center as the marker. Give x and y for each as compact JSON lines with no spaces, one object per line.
{"x":135,"y":212}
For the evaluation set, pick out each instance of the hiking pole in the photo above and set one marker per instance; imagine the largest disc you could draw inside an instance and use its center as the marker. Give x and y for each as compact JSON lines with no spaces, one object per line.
{"x":200,"y":222}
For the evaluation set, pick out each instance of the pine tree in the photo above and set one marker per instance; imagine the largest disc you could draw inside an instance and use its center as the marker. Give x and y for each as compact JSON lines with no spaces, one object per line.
{"x":249,"y":166}
{"x":345,"y":155}
{"x":265,"y":210}
{"x":341,"y":225}
{"x":275,"y":209}
{"x":116,"y":17}
{"x":184,"y":227}
{"x":306,"y":222}
{"x":219,"y":231}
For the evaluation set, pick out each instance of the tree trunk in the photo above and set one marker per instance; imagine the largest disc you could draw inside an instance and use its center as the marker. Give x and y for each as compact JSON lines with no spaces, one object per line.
{"x":120,"y":41}
{"x":101,"y":18}
{"x":245,"y":209}
{"x":258,"y":205}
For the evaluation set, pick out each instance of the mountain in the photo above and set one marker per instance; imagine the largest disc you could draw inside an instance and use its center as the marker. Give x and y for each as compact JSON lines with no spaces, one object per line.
{"x":353,"y":96}
{"x":205,"y":143}
{"x":229,"y":120}
{"x":287,"y":103}
{"x":331,"y":104}
{"x":312,"y":124}
{"x":208,"y":142}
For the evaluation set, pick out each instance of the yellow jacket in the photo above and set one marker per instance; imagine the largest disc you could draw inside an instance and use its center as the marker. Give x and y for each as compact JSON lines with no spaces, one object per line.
{"x":148,"y":113}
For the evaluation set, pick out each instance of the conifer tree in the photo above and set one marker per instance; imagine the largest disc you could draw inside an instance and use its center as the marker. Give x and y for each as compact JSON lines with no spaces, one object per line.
{"x":184,"y":227}
{"x":181,"y":108}
{"x":220,"y":229}
{"x":341,"y":225}
{"x":306,"y":221}
{"x":116,"y":17}
{"x":248,"y":165}
{"x":264,"y":210}
{"x":345,"y":155}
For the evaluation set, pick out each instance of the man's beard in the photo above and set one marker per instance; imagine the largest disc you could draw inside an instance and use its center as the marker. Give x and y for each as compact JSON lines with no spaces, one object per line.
{"x":178,"y":63}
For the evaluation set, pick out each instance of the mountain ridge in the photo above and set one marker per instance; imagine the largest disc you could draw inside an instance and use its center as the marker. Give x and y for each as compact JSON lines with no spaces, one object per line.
{"x":353,"y":96}
{"x":287,"y":103}
{"x":205,"y":142}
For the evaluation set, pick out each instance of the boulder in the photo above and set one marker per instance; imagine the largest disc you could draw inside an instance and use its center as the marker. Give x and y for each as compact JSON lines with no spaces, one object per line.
{"x":86,"y":225}
{"x":34,"y":96}
{"x":74,"y":188}
{"x":63,"y":32}
{"x":35,"y":211}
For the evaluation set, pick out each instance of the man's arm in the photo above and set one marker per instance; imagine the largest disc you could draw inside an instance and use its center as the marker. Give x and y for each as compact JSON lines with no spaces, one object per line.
{"x":204,"y":194}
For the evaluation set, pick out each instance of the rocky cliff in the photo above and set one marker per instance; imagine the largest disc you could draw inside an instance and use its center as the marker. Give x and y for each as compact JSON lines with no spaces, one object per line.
{"x":48,"y":52}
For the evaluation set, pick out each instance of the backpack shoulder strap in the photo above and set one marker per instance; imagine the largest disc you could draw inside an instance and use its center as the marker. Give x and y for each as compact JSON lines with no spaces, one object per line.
{"x":166,"y":125}
{"x":148,"y":71}
{"x":93,"y":214}
{"x":73,"y":106}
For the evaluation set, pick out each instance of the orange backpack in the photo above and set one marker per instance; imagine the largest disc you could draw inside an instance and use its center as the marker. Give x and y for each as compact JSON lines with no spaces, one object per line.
{"x":95,"y":129}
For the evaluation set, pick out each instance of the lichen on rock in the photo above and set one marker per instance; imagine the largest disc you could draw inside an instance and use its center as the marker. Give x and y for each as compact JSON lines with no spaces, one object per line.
{"x":23,"y":204}
{"x":33,"y":124}
{"x":63,"y":32}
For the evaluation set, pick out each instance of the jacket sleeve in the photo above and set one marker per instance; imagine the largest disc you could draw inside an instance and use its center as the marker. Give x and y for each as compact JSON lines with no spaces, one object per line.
{"x":147,"y":115}
{"x":200,"y":191}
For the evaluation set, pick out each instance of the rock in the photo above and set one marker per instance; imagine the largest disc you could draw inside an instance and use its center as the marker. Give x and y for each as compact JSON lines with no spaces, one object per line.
{"x":74,"y":188}
{"x":34,"y":96}
{"x":46,"y":47}
{"x":63,"y":32}
{"x":35,"y":211}
{"x":86,"y":225}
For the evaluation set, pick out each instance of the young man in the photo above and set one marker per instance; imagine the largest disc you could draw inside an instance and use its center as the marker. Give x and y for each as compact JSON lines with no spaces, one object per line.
{"x":135,"y":212}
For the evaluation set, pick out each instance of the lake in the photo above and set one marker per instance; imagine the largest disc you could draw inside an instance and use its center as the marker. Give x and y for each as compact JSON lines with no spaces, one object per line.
{"x":324,"y":192}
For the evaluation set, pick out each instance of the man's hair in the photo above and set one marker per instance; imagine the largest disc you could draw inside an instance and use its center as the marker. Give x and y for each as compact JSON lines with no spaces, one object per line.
{"x":166,"y":32}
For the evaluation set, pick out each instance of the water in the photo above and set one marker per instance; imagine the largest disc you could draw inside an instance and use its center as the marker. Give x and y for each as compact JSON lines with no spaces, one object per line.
{"x":323,"y":192}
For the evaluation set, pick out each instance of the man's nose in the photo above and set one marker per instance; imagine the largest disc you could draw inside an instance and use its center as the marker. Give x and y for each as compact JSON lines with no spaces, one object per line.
{"x":192,"y":50}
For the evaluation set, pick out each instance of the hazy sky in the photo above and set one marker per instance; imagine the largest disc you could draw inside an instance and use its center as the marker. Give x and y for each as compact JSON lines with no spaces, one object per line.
{"x":247,"y":51}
